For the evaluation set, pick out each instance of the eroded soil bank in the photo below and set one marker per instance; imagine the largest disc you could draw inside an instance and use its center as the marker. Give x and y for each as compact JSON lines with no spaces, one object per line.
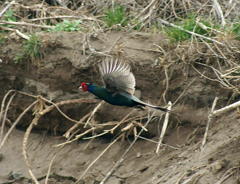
{"x":182,"y":74}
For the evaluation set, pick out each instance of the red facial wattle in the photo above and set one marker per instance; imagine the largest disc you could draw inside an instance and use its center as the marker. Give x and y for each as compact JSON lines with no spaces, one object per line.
{"x":84,"y":86}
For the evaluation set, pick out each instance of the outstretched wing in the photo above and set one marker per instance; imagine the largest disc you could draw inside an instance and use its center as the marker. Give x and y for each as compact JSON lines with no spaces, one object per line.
{"x":117,"y":76}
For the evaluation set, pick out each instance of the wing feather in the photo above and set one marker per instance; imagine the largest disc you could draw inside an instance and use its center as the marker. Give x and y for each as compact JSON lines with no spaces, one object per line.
{"x":117,"y":76}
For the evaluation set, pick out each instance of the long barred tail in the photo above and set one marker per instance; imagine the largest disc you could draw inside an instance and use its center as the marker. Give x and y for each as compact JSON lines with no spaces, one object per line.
{"x":156,"y":107}
{"x":150,"y":105}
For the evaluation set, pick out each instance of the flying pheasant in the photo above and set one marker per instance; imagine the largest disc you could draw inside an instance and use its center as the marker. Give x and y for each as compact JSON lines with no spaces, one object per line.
{"x":119,"y":86}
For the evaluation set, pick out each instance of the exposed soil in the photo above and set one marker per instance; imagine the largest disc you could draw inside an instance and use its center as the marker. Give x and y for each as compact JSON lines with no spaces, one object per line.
{"x":173,"y":75}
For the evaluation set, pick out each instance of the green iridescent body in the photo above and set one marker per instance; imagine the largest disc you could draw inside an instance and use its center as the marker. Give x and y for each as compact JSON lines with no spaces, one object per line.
{"x":121,"y":99}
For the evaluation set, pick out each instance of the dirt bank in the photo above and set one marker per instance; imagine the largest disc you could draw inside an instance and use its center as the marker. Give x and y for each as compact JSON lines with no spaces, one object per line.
{"x":190,"y":74}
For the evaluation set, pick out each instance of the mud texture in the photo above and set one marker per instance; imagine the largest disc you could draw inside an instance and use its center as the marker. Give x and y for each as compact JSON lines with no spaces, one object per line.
{"x":71,"y":58}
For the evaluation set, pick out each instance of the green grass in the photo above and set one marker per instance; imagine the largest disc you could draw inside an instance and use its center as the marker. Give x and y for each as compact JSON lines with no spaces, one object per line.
{"x":2,"y":39}
{"x":236,"y":30}
{"x":188,"y":24}
{"x":67,"y":25}
{"x":115,"y":16}
{"x":30,"y":50}
{"x":9,"y":16}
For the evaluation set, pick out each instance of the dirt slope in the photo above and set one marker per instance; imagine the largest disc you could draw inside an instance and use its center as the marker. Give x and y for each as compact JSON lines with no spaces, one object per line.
{"x":69,"y":60}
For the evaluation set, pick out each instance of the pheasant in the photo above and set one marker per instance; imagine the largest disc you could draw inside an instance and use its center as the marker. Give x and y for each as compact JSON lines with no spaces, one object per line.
{"x":119,"y":86}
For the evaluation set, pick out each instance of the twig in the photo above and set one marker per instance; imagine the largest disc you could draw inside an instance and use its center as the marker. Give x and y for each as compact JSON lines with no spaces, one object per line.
{"x":16,"y":31}
{"x":219,"y":12}
{"x":119,"y":162}
{"x":96,"y":127}
{"x":167,"y":84}
{"x":227,"y":174}
{"x":49,"y":168}
{"x":195,"y":177}
{"x":63,"y":17}
{"x":56,"y":105}
{"x":2,"y":110}
{"x":208,"y":123}
{"x":15,"y":123}
{"x":80,"y":122}
{"x":76,"y":138}
{"x":150,"y":140}
{"x":164,"y":128}
{"x":98,"y":157}
{"x":122,"y":121}
{"x":26,"y":24}
{"x":98,"y":135}
{"x":223,"y":81}
{"x":93,"y":113}
{"x":22,"y":35}
{"x":24,"y":146}
{"x":6,"y":8}
{"x":151,"y":4}
{"x":225,"y":109}
{"x":3,"y":102}
{"x":5,"y":115}
{"x":27,"y":94}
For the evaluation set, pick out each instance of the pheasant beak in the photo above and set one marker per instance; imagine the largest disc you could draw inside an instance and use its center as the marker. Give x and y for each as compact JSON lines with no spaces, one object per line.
{"x":80,"y":87}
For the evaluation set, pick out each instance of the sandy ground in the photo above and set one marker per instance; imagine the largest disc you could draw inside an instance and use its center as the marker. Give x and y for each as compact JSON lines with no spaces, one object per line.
{"x":142,"y":165}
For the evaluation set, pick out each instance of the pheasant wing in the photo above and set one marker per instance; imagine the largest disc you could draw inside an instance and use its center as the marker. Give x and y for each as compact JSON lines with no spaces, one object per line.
{"x":117,"y":76}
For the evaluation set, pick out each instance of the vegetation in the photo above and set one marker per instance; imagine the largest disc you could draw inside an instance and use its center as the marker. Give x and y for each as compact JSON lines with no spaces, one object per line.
{"x":2,"y":39}
{"x":189,"y":24}
{"x":30,"y":50}
{"x":67,"y":25}
{"x":236,"y":30}
{"x":9,"y":16}
{"x":115,"y":16}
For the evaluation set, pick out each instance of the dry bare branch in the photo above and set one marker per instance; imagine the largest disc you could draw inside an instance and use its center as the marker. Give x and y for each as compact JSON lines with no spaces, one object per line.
{"x":6,"y":8}
{"x":24,"y":147}
{"x":15,"y":123}
{"x":167,"y":84}
{"x":93,"y":112}
{"x":226,"y":109}
{"x":208,"y":123}
{"x":26,"y":24}
{"x":49,"y":168}
{"x":164,"y":128}
{"x":227,"y":174}
{"x":3,"y":119}
{"x":80,"y":122}
{"x":64,"y":17}
{"x":76,"y":137}
{"x":219,"y":12}
{"x":3,"y":110}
